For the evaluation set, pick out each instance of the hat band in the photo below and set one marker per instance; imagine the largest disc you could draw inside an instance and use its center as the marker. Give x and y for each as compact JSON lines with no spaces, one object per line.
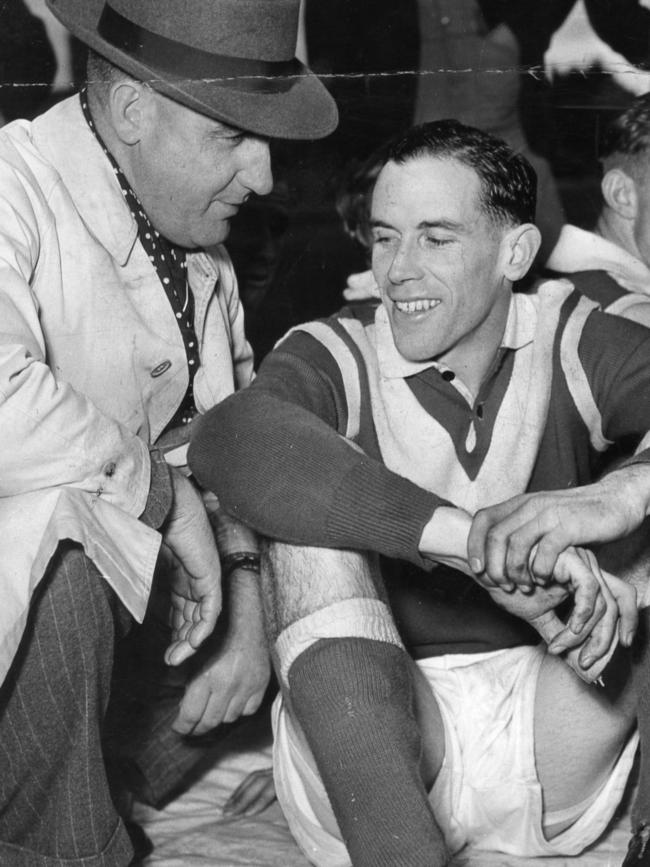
{"x":175,"y":61}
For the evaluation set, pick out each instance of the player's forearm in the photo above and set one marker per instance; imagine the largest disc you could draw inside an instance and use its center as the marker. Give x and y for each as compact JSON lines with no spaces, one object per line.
{"x":283,"y":471}
{"x":628,"y":487}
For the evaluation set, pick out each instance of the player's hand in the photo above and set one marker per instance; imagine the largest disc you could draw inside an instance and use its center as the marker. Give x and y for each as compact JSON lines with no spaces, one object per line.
{"x":195,"y":571}
{"x":518,"y":541}
{"x":604,"y":611}
{"x":233,"y":680}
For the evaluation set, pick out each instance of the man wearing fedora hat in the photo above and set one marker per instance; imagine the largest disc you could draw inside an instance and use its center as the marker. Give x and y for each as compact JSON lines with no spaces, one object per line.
{"x":119,"y":322}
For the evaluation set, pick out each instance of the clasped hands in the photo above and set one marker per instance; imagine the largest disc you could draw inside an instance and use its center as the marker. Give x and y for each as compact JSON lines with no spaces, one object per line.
{"x":528,"y":543}
{"x":524,"y":552}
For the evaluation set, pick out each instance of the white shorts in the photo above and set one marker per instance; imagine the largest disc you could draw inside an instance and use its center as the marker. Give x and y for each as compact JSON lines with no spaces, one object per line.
{"x":487,"y":794}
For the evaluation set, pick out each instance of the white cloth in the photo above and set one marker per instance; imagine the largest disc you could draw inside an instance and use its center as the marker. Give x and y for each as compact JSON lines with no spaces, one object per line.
{"x":487,"y":795}
{"x":579,"y":250}
{"x":84,"y":329}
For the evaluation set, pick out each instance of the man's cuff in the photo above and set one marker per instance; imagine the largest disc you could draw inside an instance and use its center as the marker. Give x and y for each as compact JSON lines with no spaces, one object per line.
{"x":161,"y":492}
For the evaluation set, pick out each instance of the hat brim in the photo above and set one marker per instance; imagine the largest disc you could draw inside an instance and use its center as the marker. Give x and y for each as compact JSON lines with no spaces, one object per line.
{"x":304,"y":110}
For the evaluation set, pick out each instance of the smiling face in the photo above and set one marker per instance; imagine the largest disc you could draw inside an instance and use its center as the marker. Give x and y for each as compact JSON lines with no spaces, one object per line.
{"x":192,"y":173}
{"x":438,"y":258}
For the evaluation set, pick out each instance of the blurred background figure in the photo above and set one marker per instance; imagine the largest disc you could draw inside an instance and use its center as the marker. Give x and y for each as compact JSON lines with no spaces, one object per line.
{"x":39,"y":60}
{"x":470,"y":54}
{"x":546,"y":76}
{"x":483,"y":61}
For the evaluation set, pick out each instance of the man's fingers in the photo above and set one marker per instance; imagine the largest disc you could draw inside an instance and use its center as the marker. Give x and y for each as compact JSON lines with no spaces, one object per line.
{"x":532,"y":542}
{"x":572,"y":636}
{"x":520,"y":540}
{"x":601,"y":637}
{"x":186,"y":640}
{"x":589,"y":602}
{"x":483,"y":522}
{"x":192,"y":707}
{"x":551,"y":545}
{"x":253,"y":703}
{"x":192,"y":622}
{"x":219,"y":710}
{"x":199,"y":630}
{"x":507,"y":553}
{"x":591,"y":599}
{"x":178,"y":652}
{"x":181,"y":650}
{"x":598,"y":643}
{"x":626,"y":600}
{"x":597,"y":633}
{"x":502,"y":539}
{"x":548,"y":625}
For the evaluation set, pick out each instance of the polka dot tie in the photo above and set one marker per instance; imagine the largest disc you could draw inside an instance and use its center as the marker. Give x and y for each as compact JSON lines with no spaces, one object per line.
{"x":171,"y":267}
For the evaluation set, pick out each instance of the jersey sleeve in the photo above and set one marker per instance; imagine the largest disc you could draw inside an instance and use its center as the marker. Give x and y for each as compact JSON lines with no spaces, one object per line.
{"x":275,"y":456}
{"x":615,"y":356}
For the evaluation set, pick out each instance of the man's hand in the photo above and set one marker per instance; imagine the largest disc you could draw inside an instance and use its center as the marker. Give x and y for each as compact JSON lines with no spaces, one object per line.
{"x":604,"y":611}
{"x":195,"y":571}
{"x":519,"y":541}
{"x":233,"y":681}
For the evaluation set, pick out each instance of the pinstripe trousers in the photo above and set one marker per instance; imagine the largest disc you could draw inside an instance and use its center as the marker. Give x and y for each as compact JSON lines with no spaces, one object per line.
{"x":55,"y":803}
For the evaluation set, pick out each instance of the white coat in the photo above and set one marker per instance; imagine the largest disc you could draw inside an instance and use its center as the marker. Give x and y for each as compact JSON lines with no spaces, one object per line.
{"x":92,"y":363}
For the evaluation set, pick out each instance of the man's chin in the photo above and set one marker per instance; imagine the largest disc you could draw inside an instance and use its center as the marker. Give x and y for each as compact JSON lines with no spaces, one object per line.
{"x":415,"y":347}
{"x":416,"y":354}
{"x":209,"y":238}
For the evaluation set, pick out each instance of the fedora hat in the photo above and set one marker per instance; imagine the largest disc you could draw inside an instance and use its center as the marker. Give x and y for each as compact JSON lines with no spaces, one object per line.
{"x":232,"y":60}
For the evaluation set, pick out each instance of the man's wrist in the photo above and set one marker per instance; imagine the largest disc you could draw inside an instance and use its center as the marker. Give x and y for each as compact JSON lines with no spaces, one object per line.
{"x":161,"y":492}
{"x":244,"y":601}
{"x":445,"y":534}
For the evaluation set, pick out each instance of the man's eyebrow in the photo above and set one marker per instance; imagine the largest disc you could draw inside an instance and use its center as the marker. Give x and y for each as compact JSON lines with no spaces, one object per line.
{"x":379,"y":224}
{"x":441,"y":224}
{"x":451,"y":225}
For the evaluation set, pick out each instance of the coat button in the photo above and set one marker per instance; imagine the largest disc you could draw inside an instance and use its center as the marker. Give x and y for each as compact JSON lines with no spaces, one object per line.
{"x":161,"y":368}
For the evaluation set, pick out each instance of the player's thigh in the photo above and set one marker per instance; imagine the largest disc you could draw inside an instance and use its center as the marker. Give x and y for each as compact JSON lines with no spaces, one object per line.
{"x":297,"y":581}
{"x":580,"y":730}
{"x":431,"y":725}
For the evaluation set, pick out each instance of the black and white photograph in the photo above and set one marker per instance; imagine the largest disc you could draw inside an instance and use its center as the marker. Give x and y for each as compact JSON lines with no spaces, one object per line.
{"x":325,"y":433}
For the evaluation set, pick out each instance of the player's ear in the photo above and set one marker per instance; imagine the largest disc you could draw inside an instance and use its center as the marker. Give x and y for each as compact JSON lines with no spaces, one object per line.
{"x":620,"y":193}
{"x":519,"y":248}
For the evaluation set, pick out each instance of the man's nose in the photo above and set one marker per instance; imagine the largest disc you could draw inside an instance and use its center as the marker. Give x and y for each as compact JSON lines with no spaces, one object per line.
{"x":404,"y":265}
{"x":256,"y":174}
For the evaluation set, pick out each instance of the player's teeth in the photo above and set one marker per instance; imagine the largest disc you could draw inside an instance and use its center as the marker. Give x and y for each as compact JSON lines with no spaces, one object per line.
{"x":416,"y":306}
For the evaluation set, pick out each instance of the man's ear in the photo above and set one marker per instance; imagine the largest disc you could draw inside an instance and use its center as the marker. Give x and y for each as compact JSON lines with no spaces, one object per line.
{"x":519,"y":247}
{"x":620,"y":193}
{"x":129,"y":106}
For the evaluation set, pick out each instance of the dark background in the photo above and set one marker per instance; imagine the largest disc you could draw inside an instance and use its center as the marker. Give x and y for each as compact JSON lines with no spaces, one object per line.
{"x":290,"y":251}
